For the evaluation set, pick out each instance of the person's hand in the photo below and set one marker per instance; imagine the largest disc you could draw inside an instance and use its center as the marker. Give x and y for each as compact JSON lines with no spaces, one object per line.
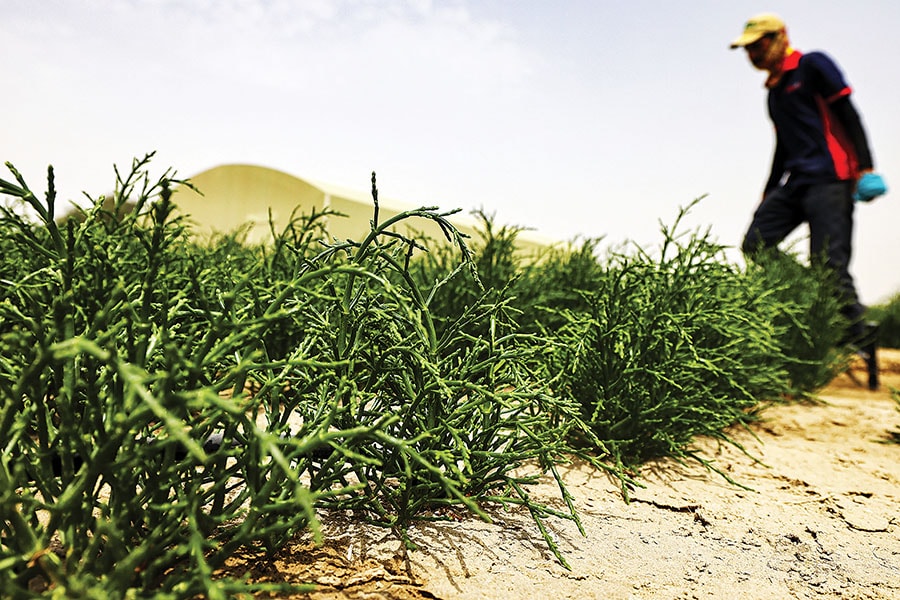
{"x":870,"y":186}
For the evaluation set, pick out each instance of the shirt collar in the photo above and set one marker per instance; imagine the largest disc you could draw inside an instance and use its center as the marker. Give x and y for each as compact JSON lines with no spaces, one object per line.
{"x":792,"y":60}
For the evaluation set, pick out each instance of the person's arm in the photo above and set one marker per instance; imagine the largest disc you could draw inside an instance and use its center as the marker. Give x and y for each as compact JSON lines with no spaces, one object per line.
{"x":870,"y":184}
{"x":849,"y":119}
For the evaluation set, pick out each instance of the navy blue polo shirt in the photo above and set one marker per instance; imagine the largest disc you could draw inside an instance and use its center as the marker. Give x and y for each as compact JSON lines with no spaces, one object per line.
{"x":812,"y":144}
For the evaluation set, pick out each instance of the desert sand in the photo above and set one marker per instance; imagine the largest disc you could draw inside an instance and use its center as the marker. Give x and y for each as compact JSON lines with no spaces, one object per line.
{"x":816,"y":515}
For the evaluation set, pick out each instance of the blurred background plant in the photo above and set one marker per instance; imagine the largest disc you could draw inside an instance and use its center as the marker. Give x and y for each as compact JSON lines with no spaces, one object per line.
{"x":671,"y":346}
{"x":887,"y":315}
{"x":894,"y":436}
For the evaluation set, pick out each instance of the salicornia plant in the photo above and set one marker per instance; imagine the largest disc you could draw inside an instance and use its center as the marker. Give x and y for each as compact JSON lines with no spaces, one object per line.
{"x":167,"y":402}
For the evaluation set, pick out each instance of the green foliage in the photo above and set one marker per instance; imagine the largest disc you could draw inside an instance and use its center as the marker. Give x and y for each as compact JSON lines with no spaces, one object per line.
{"x":113,"y":381}
{"x":801,"y":303}
{"x":455,"y":290}
{"x":164,"y":403}
{"x":671,"y":347}
{"x":894,"y":436}
{"x":887,"y":315}
{"x":657,"y":350}
{"x":559,"y":281}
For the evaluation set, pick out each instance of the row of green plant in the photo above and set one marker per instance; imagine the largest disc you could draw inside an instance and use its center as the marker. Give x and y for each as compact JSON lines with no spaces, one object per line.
{"x":887,"y":316}
{"x":167,"y":403}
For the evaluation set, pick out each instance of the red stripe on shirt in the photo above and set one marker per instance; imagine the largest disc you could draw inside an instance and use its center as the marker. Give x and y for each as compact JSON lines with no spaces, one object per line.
{"x":839,"y":145}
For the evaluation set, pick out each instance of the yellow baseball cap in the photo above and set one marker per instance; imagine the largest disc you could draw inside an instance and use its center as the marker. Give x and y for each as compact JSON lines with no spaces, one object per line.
{"x":758,"y":26}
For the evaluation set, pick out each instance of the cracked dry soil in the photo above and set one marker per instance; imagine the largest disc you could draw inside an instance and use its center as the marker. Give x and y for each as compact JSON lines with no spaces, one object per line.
{"x":821,"y":519}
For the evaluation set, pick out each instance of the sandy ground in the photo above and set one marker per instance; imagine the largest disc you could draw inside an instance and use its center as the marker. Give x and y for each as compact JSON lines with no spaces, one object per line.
{"x":821,"y":520}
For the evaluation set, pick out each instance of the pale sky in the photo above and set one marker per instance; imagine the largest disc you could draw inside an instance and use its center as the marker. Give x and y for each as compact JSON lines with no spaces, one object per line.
{"x":575,"y":118}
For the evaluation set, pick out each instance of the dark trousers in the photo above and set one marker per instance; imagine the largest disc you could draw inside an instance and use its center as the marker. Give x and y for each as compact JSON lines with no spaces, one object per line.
{"x":828,"y":209}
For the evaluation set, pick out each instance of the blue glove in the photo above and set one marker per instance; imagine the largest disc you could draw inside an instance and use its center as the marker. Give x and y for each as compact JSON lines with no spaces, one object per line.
{"x":869,"y":187}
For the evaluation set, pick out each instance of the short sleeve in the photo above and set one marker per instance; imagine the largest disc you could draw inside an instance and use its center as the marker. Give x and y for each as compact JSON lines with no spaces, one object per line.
{"x":826,"y":76}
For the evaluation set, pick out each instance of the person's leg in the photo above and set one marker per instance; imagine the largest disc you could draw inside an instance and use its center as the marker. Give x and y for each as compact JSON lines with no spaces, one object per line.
{"x":775,"y":218}
{"x":830,"y":213}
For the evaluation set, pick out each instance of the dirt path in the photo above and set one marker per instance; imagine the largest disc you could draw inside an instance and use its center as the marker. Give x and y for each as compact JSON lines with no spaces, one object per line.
{"x":822,"y":521}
